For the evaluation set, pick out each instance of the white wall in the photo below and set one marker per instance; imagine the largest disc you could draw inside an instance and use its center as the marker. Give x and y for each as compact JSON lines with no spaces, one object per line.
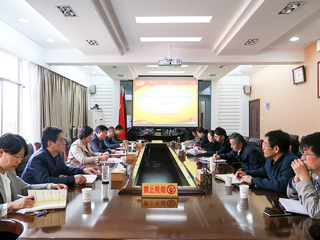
{"x":229,"y":105}
{"x":13,"y":42}
{"x":107,"y":96}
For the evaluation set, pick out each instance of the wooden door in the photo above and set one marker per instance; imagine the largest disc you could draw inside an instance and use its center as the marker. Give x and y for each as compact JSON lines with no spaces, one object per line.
{"x":254,"y":118}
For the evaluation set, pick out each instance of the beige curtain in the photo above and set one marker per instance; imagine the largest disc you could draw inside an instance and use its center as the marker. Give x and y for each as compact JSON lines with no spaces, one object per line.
{"x":63,"y":103}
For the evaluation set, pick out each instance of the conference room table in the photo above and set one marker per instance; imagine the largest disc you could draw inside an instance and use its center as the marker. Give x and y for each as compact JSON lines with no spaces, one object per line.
{"x":219,"y":213}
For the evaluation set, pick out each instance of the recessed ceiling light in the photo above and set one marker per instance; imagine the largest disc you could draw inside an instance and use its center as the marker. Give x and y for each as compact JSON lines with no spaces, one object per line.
{"x":67,"y":11}
{"x":294,"y":39}
{"x":249,"y":66}
{"x":158,"y":66}
{"x":85,"y":66}
{"x":174,"y":19}
{"x":251,"y":41}
{"x":166,"y":72}
{"x":93,"y":42}
{"x":93,"y":72}
{"x":50,"y":40}
{"x":170,"y":39}
{"x":239,"y":72}
{"x":24,"y":20}
{"x":291,"y":7}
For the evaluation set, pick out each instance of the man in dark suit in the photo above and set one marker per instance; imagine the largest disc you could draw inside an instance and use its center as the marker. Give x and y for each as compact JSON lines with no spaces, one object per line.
{"x":97,"y":143}
{"x":247,"y":154}
{"x":117,"y":132}
{"x":277,"y":171}
{"x":109,"y":142}
{"x":46,"y":165}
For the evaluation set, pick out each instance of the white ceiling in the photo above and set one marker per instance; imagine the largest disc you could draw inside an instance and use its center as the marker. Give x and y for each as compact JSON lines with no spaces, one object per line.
{"x":112,"y":24}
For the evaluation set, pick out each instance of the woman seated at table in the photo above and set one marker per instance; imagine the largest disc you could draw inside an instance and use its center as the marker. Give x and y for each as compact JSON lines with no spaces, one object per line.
{"x":12,"y":149}
{"x":211,"y":147}
{"x":80,"y":152}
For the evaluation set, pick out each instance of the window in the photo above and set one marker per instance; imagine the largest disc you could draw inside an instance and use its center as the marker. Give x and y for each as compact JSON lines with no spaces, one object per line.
{"x":11,"y":89}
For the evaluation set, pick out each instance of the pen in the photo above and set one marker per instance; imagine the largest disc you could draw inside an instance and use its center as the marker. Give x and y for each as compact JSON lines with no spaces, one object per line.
{"x":273,"y":203}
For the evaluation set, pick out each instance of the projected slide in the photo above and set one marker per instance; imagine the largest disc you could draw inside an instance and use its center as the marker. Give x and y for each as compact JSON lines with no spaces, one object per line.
{"x":165,"y":103}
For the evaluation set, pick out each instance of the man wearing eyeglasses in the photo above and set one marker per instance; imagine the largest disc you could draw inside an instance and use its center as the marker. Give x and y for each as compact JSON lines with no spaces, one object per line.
{"x":305,"y":185}
{"x":277,"y":171}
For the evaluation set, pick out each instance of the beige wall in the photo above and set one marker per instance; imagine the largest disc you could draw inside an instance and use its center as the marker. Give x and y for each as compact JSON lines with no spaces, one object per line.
{"x":293,"y":108}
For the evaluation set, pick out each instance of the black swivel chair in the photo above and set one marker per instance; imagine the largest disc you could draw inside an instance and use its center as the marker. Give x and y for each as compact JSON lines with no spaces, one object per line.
{"x":23,"y":164}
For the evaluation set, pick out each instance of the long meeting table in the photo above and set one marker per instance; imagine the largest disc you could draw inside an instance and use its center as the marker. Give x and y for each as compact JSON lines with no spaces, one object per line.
{"x":219,"y":213}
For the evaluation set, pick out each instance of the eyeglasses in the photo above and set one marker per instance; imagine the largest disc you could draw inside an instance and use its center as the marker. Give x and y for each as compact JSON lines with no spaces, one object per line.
{"x":264,"y":145}
{"x":307,"y":154}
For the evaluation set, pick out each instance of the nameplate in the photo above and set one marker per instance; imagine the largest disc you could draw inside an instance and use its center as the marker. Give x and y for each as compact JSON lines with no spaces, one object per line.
{"x":160,"y":190}
{"x":156,"y":141}
{"x":159,"y":202}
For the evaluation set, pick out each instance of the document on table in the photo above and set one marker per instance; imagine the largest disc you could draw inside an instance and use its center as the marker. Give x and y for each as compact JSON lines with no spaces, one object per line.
{"x":90,"y":177}
{"x":112,"y":160}
{"x":223,"y":178}
{"x":207,"y":159}
{"x":293,"y":206}
{"x":47,"y":199}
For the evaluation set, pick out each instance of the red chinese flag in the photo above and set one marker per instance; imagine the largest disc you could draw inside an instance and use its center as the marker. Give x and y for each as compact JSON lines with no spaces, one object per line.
{"x":123,"y":115}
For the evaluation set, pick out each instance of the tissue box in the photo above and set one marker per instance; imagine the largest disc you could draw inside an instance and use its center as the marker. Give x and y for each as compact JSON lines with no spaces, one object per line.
{"x":130,"y":158}
{"x":199,"y":175}
{"x":118,"y":176}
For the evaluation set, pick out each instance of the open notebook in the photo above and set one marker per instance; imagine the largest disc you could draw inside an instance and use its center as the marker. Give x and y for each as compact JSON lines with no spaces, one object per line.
{"x":293,"y":206}
{"x":223,"y":178}
{"x":47,"y":199}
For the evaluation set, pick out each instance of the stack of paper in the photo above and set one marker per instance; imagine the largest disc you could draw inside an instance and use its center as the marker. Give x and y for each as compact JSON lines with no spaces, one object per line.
{"x":47,"y":199}
{"x":90,"y":178}
{"x":223,"y":178}
{"x":293,"y":206}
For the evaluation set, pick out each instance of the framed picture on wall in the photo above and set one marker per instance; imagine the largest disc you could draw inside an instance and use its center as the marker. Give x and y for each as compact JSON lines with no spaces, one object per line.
{"x":299,"y":75}
{"x":318,"y":79}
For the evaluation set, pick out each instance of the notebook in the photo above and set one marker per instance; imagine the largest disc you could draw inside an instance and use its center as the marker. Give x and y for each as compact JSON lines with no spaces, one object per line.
{"x":293,"y":206}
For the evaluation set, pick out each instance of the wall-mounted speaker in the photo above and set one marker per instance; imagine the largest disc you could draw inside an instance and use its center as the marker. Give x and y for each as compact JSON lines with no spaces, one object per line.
{"x":92,"y":89}
{"x":247,"y":89}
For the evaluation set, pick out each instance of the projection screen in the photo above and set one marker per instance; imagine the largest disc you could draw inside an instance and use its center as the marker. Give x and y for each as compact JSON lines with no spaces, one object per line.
{"x":167,"y":102}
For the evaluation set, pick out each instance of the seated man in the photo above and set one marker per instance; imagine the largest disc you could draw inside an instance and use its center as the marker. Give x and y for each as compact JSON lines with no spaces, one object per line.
{"x":195,"y":135}
{"x":97,"y":142}
{"x":220,"y":135}
{"x":109,"y":142}
{"x":277,"y":171}
{"x":117,"y":132}
{"x":248,"y":155}
{"x":305,"y":185}
{"x":46,"y":164}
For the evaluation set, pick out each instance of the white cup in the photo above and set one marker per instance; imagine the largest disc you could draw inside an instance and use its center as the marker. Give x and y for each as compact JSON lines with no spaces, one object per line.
{"x":228,"y":181}
{"x":86,"y":194}
{"x":244,"y":191}
{"x":124,"y":159}
{"x":212,"y":164}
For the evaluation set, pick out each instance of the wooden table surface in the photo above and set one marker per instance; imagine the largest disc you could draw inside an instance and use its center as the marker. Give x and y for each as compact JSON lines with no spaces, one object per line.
{"x":220,"y":214}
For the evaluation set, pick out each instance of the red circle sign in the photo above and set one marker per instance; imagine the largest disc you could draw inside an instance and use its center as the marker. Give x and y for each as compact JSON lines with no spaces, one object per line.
{"x":171,"y":189}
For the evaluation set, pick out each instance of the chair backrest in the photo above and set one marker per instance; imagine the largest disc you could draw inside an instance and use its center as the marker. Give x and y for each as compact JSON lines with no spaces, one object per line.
{"x":246,"y":138}
{"x":68,"y":145}
{"x":23,"y":164}
{"x":38,"y":145}
{"x":256,"y":142}
{"x":293,"y":136}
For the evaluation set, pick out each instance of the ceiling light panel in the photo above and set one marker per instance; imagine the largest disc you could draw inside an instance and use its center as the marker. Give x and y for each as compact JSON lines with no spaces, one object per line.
{"x":174,"y":19}
{"x":154,"y":66}
{"x":166,"y":72}
{"x":67,"y":11}
{"x":170,"y":39}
